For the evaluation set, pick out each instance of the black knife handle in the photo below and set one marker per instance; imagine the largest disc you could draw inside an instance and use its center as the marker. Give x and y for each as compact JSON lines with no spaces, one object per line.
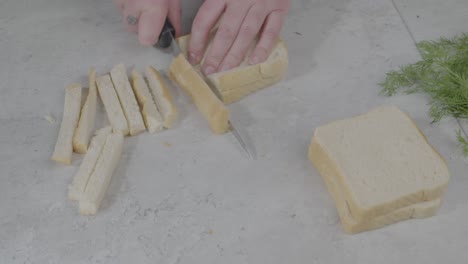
{"x":164,"y":40}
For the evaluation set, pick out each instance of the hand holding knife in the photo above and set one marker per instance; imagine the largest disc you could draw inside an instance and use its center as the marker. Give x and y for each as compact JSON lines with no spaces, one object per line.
{"x":166,"y":40}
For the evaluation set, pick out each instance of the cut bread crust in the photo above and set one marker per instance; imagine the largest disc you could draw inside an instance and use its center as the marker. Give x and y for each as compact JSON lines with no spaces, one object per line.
{"x":379,"y":176}
{"x":100,"y":178}
{"x":212,"y":109}
{"x":85,"y":126}
{"x":162,"y":97}
{"x":78,"y":186}
{"x":112,"y":105}
{"x":153,"y":120}
{"x":127,"y":99}
{"x":63,"y":149}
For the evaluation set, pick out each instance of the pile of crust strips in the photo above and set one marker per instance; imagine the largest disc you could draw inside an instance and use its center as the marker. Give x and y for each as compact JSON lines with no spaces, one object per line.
{"x":132,"y":106}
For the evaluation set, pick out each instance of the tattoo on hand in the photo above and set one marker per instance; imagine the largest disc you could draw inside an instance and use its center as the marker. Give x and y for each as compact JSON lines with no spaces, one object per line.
{"x":131,"y":20}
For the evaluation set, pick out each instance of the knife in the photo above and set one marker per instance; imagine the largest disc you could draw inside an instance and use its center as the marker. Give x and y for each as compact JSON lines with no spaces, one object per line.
{"x":167,"y":41}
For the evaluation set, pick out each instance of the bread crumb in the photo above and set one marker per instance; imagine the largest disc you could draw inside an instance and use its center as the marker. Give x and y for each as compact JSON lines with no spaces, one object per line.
{"x":167,"y":144}
{"x":210,"y":232}
{"x":50,"y":118}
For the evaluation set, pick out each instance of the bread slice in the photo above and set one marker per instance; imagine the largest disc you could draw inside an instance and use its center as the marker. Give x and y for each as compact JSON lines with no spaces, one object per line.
{"x":348,"y":222}
{"x":127,"y":99}
{"x":382,"y":161}
{"x":153,"y":120}
{"x":236,"y":83}
{"x":162,"y":96}
{"x":112,"y":105}
{"x":71,"y":113}
{"x":212,"y":109}
{"x":85,"y":127}
{"x":78,"y":186}
{"x":100,"y":178}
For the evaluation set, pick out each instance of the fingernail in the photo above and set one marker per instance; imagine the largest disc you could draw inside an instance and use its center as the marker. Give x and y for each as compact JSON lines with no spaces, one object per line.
{"x":209,"y":70}
{"x":254,"y":60}
{"x":193,"y":58}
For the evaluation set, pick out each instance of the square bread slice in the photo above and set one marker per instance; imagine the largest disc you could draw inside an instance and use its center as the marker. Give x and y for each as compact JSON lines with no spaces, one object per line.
{"x":112,"y":105}
{"x":382,"y":161}
{"x":348,"y":222}
{"x":153,"y":120}
{"x":85,"y":127}
{"x":127,"y":99}
{"x":99,"y":180}
{"x":63,"y":149}
{"x":78,"y":186}
{"x":245,"y":79}
{"x":162,"y":96}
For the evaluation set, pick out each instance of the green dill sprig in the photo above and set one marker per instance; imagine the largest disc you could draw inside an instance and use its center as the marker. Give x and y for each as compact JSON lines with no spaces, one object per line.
{"x":442,"y":74}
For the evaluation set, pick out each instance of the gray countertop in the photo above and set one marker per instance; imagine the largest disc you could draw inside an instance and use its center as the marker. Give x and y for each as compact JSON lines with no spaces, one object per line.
{"x":200,"y":200}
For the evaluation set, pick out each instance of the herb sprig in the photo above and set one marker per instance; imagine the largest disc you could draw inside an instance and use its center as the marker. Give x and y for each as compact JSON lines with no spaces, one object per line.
{"x":442,"y":74}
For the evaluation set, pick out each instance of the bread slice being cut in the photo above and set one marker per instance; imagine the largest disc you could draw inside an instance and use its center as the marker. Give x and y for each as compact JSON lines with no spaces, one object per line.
{"x":153,"y":120}
{"x":78,"y":186}
{"x":162,"y":96}
{"x":127,"y":99}
{"x":382,"y":161}
{"x":212,"y":109}
{"x":112,"y":105}
{"x":85,"y":127}
{"x":63,"y":149}
{"x":349,"y":223}
{"x":100,"y":178}
{"x":236,"y":83}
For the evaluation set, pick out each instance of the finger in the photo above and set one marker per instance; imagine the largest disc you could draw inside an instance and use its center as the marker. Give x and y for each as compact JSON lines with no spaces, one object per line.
{"x":268,"y":37}
{"x":151,"y":23}
{"x":175,"y":13}
{"x":225,"y":36}
{"x":204,"y":21}
{"x":131,"y":16}
{"x":249,"y":29}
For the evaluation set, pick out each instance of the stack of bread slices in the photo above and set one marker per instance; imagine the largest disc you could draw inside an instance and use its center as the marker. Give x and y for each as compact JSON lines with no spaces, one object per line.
{"x":379,"y":168}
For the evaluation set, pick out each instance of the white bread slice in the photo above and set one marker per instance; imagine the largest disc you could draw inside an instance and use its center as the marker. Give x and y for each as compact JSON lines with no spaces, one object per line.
{"x":100,"y":178}
{"x":348,"y":222}
{"x":236,"y":83}
{"x":382,"y":160}
{"x":127,"y":99}
{"x":162,"y":96}
{"x":78,"y":186}
{"x":212,"y":109}
{"x":85,"y":127}
{"x":71,"y":113}
{"x":112,"y":105}
{"x":153,"y":120}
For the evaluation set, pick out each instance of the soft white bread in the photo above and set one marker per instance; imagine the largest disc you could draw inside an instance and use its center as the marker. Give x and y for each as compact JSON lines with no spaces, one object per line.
{"x":78,"y":186}
{"x":85,"y":127}
{"x":348,"y":222}
{"x":100,"y":178}
{"x":112,"y":105}
{"x":127,"y":99}
{"x":382,"y":161}
{"x":153,"y":120}
{"x":63,"y":149}
{"x":245,"y":79}
{"x":162,"y":96}
{"x":212,"y":109}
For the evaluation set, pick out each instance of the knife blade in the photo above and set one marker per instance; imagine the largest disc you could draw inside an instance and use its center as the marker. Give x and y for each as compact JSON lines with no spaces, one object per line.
{"x":167,"y":41}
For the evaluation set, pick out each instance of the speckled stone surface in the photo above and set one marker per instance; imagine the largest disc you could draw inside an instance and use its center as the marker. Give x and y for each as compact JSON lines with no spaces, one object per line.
{"x":188,"y":196}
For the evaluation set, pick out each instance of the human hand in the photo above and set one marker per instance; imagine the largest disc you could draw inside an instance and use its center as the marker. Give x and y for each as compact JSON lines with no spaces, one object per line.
{"x":241,"y":21}
{"x":147,"y":17}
